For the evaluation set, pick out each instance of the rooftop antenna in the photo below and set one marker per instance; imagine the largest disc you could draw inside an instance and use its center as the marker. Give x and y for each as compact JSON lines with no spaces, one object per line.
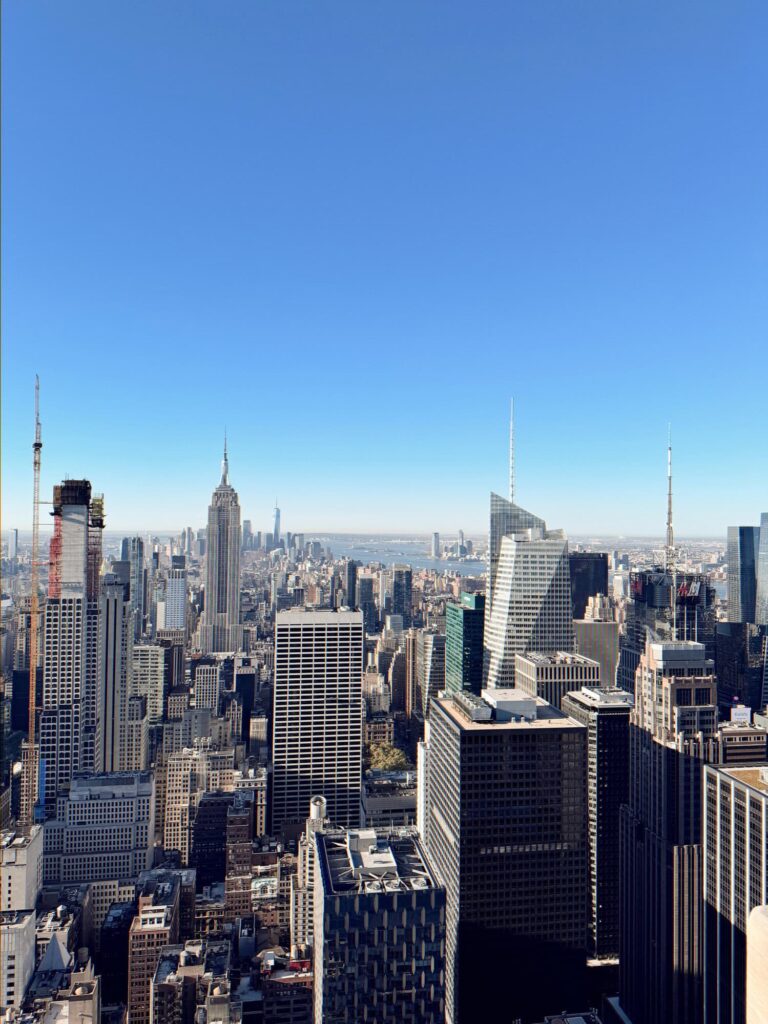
{"x":669,"y":550}
{"x":29,"y":750}
{"x":512,"y":449}
{"x":225,"y":462}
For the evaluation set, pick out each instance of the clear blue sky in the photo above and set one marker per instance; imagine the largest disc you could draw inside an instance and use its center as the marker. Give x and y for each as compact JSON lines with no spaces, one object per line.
{"x":348,"y":231}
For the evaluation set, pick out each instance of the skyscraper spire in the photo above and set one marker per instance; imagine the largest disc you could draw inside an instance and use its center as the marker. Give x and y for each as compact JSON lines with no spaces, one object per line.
{"x":511,"y":449}
{"x":225,"y":463}
{"x":669,"y":550}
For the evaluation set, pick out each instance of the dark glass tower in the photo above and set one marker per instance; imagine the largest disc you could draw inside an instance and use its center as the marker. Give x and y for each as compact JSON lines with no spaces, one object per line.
{"x":742,"y":554}
{"x":589,"y":577}
{"x":509,"y":842}
{"x":464,"y":628}
{"x":605,"y":713}
{"x":402,"y":600}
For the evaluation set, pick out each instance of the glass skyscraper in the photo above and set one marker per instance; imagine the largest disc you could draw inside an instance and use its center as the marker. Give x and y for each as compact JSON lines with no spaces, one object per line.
{"x":464,"y":629}
{"x":742,"y":555}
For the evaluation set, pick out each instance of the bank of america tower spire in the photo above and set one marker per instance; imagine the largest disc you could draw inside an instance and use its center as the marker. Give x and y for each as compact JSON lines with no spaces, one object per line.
{"x":220,"y":629}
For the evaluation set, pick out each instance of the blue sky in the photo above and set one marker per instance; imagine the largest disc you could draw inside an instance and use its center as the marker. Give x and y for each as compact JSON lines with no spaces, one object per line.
{"x":350,"y":231}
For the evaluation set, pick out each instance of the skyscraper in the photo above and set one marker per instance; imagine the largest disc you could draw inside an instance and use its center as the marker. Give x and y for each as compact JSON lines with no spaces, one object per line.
{"x":133,"y":553}
{"x":742,"y":554}
{"x":506,"y":519}
{"x":379,"y":930}
{"x":531,"y":604}
{"x":71,"y":714}
{"x":115,"y":674}
{"x":176,"y":599}
{"x":430,"y":667}
{"x":510,"y":844}
{"x":596,"y":636}
{"x":589,"y":577}
{"x":220,"y":629}
{"x":318,"y":716}
{"x":464,"y":629}
{"x":350,"y":583}
{"x":664,"y":606}
{"x":672,"y":729}
{"x":761,"y":599}
{"x":605,"y":713}
{"x":735,"y":844}
{"x":435,"y":545}
{"x":276,"y":531}
{"x":402,"y":599}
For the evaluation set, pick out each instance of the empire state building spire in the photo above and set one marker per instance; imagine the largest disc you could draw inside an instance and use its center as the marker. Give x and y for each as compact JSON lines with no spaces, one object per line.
{"x":225,"y":465}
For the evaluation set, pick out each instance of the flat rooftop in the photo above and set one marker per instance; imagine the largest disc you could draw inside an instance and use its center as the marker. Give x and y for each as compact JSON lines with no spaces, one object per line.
{"x":593,"y":696}
{"x":11,"y":839}
{"x":297,"y":617}
{"x":561,"y":658}
{"x":11,"y":917}
{"x":364,"y":861}
{"x":756,"y":778}
{"x":547,"y":717}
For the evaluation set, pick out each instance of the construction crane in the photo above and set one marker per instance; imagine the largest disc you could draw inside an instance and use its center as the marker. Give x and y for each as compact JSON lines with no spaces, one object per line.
{"x":29,"y":753}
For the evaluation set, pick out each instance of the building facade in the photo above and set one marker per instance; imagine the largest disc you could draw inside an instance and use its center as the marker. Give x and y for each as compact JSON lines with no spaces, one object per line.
{"x":220,"y":629}
{"x":531,"y":602}
{"x":379,"y":930}
{"x":103,"y":828}
{"x":318,"y":715}
{"x":673,"y":732}
{"x":605,"y":713}
{"x":509,"y":842}
{"x":742,"y":554}
{"x":464,"y":631}
{"x":735,"y":841}
{"x":552,"y":676}
{"x":71,"y":716}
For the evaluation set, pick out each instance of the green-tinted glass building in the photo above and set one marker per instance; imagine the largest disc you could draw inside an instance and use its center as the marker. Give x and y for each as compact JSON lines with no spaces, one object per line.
{"x":464,"y":644}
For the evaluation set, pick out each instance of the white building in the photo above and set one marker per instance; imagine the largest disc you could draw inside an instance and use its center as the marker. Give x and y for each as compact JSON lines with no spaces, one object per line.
{"x":302,"y":883}
{"x":208,"y":685}
{"x":531,"y":602}
{"x":149,"y":678}
{"x":551,"y":676}
{"x":103,"y":829}
{"x":21,"y":868}
{"x":318,"y":715}
{"x":17,"y":955}
{"x":176,"y":599}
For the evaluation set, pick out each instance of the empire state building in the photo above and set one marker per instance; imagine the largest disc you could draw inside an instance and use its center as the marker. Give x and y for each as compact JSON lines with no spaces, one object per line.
{"x":220,"y":629}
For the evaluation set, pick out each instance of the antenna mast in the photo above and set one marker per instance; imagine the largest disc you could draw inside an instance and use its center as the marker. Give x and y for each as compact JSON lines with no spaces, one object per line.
{"x":669,"y":551}
{"x":29,"y":751}
{"x":511,"y":449}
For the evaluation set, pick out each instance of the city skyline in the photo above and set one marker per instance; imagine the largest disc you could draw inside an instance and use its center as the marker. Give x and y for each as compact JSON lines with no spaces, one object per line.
{"x":652,"y":529}
{"x":313,"y":209}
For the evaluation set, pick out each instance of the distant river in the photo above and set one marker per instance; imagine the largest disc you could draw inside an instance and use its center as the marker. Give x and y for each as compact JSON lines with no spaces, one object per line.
{"x":390,"y":551}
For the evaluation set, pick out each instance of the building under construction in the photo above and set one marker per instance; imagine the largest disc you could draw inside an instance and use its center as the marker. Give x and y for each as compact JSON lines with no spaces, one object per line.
{"x":69,"y":718}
